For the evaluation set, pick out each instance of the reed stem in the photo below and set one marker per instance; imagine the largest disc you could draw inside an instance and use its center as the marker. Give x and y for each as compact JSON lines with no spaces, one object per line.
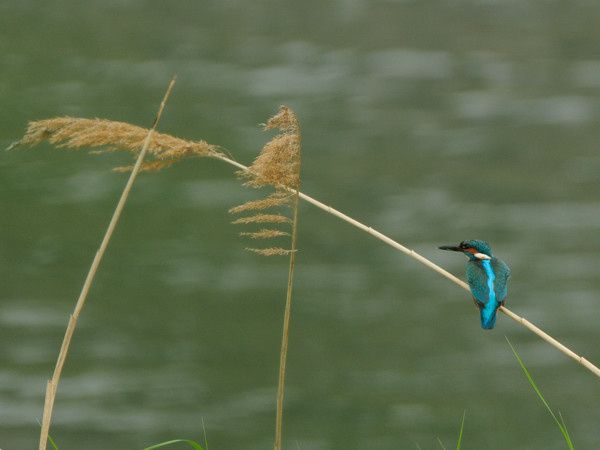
{"x":52,"y":385}
{"x":286,"y":329}
{"x":411,"y":253}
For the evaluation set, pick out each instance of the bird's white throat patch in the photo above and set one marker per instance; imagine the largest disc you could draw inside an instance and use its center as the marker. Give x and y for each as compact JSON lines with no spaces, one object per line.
{"x":481,"y":256}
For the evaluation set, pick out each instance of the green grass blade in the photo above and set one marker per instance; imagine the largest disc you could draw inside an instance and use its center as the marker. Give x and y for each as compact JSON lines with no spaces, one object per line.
{"x":441,"y":443}
{"x":192,"y":444}
{"x":565,"y":432}
{"x":559,"y":423}
{"x":205,"y":435}
{"x":52,"y":443}
{"x":562,"y":420}
{"x":460,"y":434}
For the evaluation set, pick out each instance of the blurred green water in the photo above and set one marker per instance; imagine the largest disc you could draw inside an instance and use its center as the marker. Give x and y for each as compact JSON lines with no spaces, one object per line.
{"x":431,"y":121}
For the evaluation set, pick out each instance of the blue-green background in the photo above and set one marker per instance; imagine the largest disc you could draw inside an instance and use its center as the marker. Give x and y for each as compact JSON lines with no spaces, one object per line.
{"x":432,"y":121}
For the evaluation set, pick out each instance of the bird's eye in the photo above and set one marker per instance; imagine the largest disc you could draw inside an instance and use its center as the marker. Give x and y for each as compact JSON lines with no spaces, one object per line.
{"x":463,"y":245}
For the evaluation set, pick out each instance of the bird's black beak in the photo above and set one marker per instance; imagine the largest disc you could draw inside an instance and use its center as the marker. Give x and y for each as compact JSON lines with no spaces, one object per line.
{"x":453,"y":248}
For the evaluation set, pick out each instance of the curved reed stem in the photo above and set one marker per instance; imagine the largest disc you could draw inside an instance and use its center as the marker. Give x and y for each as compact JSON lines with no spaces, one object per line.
{"x":64,"y":350}
{"x":411,"y":253}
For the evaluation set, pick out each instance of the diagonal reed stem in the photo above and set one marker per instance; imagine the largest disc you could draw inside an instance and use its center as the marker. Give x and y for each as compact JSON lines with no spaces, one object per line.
{"x":62,"y":356}
{"x":411,"y":253}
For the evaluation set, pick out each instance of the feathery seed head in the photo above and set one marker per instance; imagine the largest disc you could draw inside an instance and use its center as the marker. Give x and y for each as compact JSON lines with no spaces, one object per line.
{"x":278,"y":166}
{"x":72,"y":132}
{"x":278,"y":163}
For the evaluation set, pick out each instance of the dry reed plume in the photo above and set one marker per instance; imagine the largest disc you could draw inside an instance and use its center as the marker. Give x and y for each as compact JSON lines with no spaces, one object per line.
{"x":277,"y":166}
{"x":74,"y":133}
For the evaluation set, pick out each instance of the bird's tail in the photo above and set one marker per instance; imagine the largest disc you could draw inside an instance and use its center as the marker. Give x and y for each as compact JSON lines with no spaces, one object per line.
{"x":488,"y":316}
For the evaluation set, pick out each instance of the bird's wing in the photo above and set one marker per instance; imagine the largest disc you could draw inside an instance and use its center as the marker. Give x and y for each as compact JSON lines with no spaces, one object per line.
{"x":477,"y":280}
{"x":502,"y":275}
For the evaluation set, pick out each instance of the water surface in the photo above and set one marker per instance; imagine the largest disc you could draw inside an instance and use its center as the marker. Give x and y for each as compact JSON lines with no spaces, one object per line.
{"x":431,"y":121}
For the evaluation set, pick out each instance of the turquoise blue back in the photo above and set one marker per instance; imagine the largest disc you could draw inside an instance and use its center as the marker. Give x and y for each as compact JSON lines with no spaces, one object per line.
{"x":488,"y":282}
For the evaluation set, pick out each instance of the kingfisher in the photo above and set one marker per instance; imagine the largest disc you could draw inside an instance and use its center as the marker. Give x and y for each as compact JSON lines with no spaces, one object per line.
{"x":487,"y":277}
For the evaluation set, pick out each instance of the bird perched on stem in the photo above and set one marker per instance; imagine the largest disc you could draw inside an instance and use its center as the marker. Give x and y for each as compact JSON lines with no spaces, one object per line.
{"x":487,"y":277}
